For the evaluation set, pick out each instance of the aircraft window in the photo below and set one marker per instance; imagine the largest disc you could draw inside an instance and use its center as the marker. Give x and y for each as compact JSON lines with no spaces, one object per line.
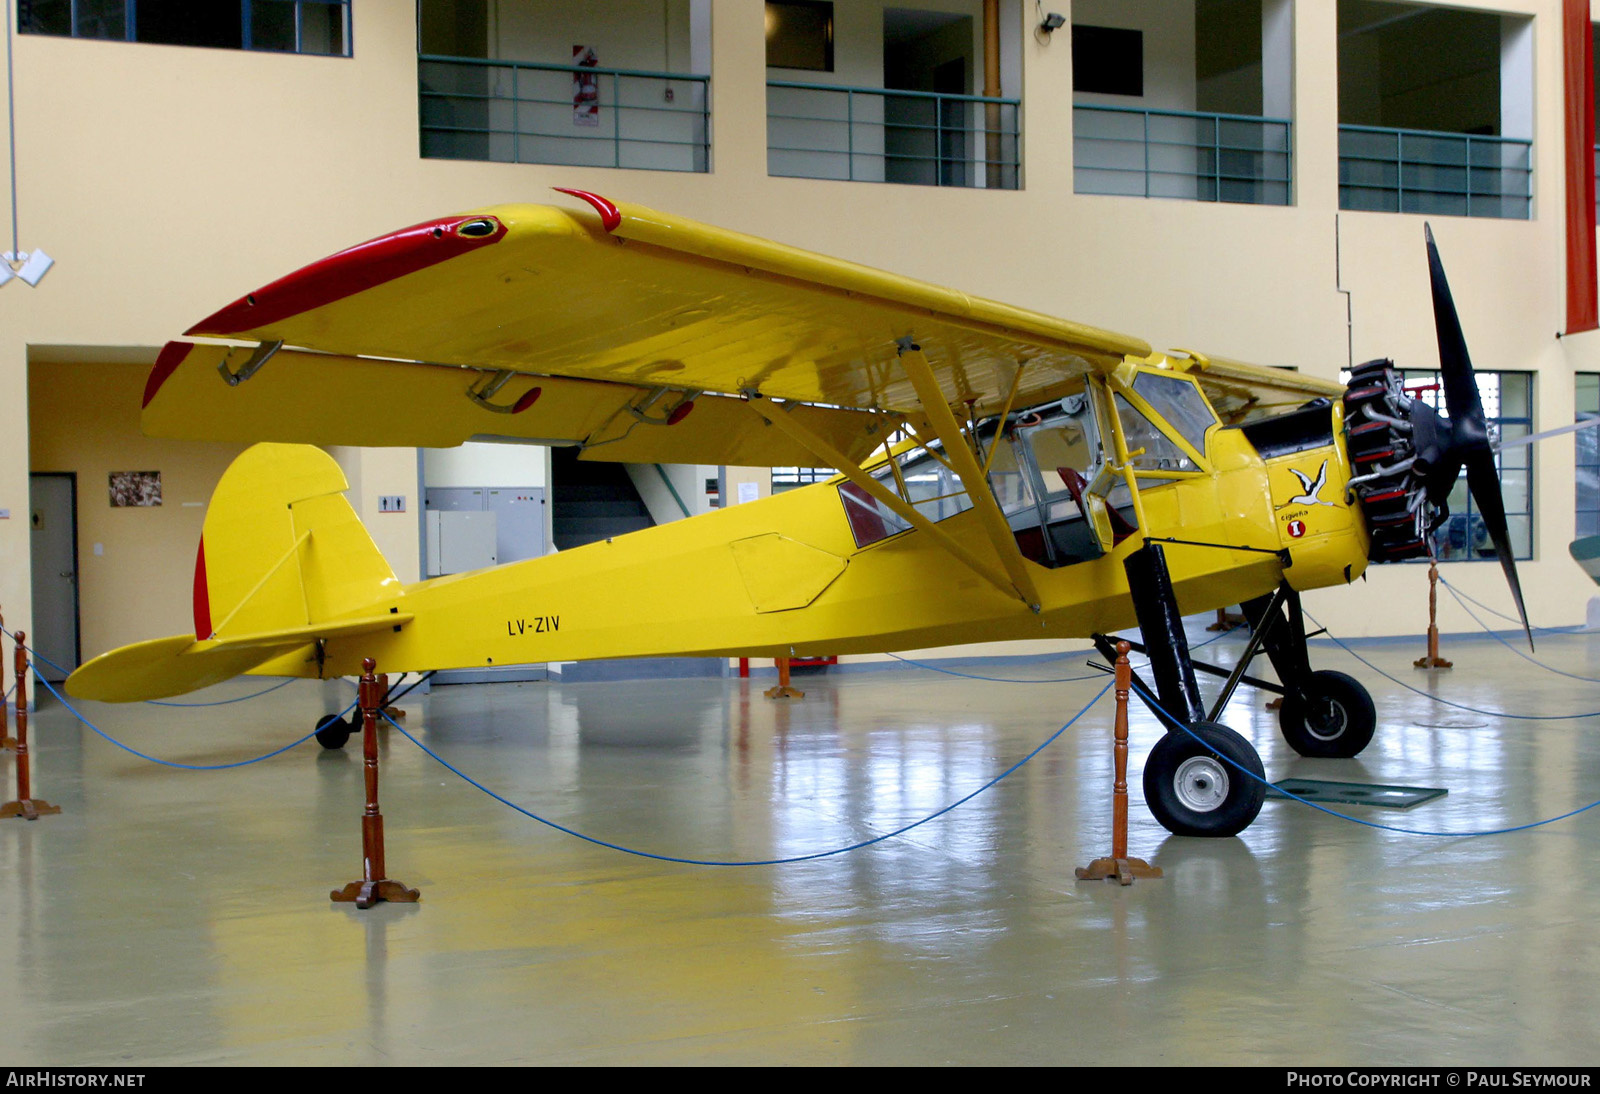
{"x":1160,"y":453}
{"x":934,"y":491}
{"x":1070,"y":441}
{"x":1013,"y":491}
{"x":870,"y":520}
{"x":1178,"y":401}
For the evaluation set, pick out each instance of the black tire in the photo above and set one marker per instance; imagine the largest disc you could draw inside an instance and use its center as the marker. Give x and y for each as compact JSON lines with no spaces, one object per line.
{"x":1193,"y":787}
{"x":332,"y":731}
{"x":1339,"y":721}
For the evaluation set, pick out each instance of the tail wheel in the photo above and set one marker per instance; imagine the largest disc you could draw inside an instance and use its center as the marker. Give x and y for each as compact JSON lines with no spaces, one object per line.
{"x":1198,"y":783}
{"x":333,"y":731}
{"x":1337,"y":720}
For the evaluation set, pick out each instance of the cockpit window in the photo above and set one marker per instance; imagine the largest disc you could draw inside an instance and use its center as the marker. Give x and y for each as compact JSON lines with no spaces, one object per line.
{"x":1179,"y":401}
{"x":1155,"y":450}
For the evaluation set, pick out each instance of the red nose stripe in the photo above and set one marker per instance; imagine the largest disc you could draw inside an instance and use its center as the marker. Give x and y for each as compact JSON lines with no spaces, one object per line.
{"x":352,"y":270}
{"x":172,"y":355}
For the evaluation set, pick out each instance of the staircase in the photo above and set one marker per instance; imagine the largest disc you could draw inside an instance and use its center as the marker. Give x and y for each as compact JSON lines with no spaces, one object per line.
{"x":591,"y":501}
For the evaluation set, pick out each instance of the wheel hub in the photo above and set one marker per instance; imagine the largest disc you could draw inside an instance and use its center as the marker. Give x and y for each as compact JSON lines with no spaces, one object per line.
{"x":1328,"y":721}
{"x":1201,"y":783}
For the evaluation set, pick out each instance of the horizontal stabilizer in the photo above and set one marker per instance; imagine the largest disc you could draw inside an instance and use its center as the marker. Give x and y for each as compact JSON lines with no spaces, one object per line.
{"x":166,"y":666}
{"x":177,"y":665}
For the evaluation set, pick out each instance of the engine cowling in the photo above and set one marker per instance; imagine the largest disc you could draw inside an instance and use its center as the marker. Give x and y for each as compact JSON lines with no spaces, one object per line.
{"x":1383,"y":430}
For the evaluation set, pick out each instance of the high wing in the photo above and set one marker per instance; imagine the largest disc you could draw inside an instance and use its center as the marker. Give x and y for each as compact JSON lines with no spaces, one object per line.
{"x":449,"y":325}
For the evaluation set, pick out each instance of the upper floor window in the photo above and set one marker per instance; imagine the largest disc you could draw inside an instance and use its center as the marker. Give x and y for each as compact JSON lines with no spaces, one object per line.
{"x":1436,"y":112}
{"x":281,"y":26}
{"x":1185,"y":99}
{"x":1588,"y":455}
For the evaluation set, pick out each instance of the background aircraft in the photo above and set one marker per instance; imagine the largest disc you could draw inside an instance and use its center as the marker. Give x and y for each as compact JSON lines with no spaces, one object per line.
{"x":1001,"y":474}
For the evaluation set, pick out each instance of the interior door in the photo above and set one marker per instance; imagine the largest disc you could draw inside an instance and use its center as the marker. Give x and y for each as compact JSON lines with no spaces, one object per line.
{"x":54,"y":516}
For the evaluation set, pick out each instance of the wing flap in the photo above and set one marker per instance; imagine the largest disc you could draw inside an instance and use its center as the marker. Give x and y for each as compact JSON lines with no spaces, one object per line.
{"x":315,"y":398}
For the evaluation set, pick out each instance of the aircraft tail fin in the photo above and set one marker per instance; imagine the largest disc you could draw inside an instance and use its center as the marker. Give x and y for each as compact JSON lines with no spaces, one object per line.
{"x":283,"y":561}
{"x":282,"y":548}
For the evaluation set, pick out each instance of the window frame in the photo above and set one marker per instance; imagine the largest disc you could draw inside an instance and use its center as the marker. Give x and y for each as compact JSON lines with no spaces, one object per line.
{"x":247,"y":8}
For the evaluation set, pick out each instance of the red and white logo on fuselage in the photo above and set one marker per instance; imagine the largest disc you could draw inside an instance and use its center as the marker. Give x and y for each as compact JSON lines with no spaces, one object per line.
{"x":1297,"y":528}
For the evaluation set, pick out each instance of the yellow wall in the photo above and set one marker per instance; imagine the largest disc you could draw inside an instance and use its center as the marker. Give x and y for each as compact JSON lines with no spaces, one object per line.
{"x":85,"y":420}
{"x":166,"y":181}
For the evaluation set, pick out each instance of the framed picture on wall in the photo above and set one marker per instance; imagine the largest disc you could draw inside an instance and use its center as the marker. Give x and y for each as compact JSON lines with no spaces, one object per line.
{"x":135,"y":489}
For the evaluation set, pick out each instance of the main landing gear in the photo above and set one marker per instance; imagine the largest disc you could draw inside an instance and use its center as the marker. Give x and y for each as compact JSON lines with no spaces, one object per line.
{"x":1202,"y":778}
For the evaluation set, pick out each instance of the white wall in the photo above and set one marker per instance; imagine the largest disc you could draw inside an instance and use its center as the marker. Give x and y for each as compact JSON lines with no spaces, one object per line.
{"x":481,"y":463}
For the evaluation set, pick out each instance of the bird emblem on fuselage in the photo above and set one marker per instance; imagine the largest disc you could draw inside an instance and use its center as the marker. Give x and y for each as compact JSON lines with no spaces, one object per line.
{"x":1310,"y":487}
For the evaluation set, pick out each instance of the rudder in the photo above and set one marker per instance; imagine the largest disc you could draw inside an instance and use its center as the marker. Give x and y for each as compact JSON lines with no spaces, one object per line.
{"x":282,"y":548}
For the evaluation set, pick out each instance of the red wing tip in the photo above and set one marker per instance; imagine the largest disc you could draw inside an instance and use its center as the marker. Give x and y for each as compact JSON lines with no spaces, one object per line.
{"x":610,"y":215}
{"x":167,"y":362}
{"x":354,"y":270}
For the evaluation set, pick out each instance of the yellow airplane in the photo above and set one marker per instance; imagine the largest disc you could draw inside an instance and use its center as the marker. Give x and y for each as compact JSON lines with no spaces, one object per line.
{"x":1001,"y":474}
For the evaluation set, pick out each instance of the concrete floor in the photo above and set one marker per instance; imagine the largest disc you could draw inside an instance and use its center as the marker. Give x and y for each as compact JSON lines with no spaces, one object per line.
{"x":181,"y":917}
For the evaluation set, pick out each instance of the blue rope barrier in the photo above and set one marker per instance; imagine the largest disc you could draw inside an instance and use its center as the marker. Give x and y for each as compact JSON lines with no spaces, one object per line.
{"x":749,"y":862}
{"x":170,"y":763}
{"x":1502,"y":640}
{"x":995,"y":679}
{"x":224,"y":702}
{"x":1050,"y":680}
{"x":1170,"y":720}
{"x":1447,"y":702}
{"x":1575,"y":629}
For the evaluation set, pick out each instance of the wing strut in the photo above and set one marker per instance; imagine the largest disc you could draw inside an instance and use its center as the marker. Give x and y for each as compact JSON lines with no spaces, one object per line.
{"x":965,"y":465}
{"x":852,"y":471}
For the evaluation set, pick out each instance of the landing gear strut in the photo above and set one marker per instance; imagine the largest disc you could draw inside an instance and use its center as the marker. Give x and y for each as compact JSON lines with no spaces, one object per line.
{"x":1198,"y":778}
{"x":1324,"y":714}
{"x":1190,"y":782}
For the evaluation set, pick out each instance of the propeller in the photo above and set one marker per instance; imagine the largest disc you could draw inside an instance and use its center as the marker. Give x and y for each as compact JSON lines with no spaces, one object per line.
{"x":1445,"y":447}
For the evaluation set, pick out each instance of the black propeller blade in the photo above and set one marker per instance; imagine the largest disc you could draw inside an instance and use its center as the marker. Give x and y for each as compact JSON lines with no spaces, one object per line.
{"x":1468,"y":442}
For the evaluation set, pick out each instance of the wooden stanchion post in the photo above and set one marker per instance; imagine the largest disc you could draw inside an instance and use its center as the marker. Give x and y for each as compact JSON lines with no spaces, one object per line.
{"x":783,"y":690}
{"x":8,"y":743}
{"x":1433,"y":660}
{"x":1119,"y":866}
{"x":25,"y":806}
{"x":374,"y":885}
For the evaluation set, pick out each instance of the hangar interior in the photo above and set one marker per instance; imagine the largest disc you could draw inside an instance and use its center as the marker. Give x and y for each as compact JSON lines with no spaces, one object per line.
{"x":1249,"y":178}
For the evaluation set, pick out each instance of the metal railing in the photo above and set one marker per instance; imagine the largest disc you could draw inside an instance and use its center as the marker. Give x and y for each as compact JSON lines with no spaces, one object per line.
{"x":1183,"y":154}
{"x":521,"y":112}
{"x":1450,"y":174}
{"x":872,"y":134}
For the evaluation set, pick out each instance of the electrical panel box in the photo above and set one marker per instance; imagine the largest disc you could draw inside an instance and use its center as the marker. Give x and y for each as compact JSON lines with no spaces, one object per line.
{"x":459,"y":541}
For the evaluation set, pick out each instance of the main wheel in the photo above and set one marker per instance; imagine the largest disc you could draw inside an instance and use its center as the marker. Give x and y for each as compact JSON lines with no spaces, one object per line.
{"x":333,"y":731}
{"x":1196,"y":788}
{"x":1337,"y":722}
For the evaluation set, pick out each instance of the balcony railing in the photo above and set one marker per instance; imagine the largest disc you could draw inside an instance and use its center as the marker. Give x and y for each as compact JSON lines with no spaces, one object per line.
{"x":1450,"y":174}
{"x":865,"y":134}
{"x":1181,"y":154}
{"x":520,"y":112}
